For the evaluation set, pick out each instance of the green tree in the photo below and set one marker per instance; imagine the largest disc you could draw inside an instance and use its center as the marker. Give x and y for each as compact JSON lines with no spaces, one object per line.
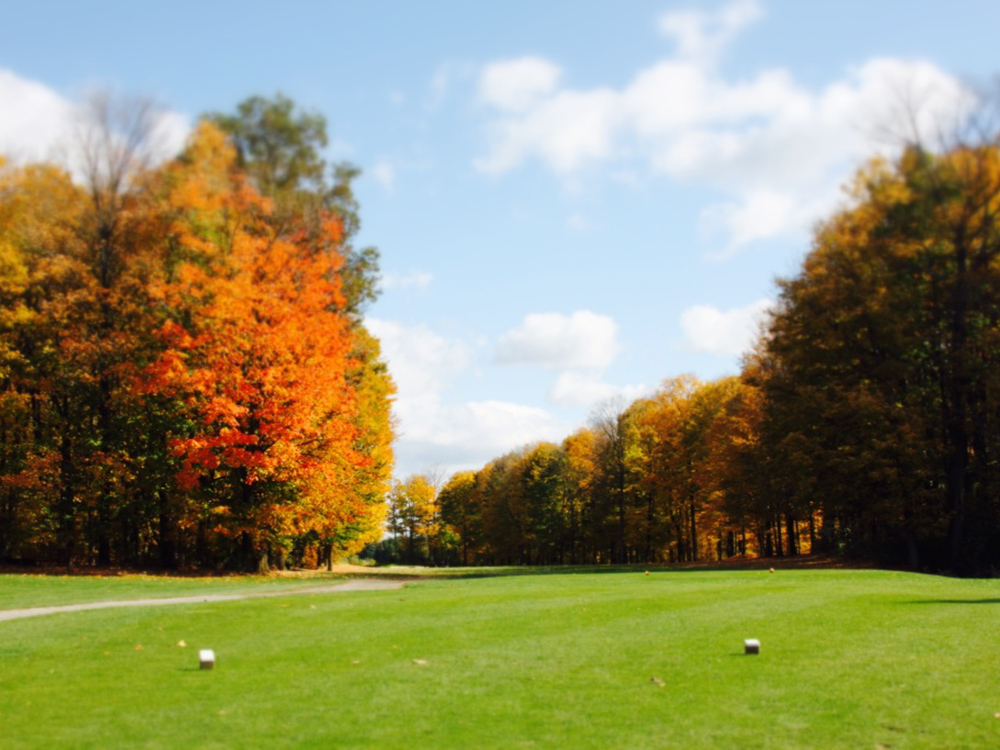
{"x":280,"y":147}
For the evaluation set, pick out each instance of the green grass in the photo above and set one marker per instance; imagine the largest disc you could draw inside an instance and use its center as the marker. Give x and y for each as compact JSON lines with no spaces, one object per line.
{"x":849,"y":659}
{"x":17,"y":591}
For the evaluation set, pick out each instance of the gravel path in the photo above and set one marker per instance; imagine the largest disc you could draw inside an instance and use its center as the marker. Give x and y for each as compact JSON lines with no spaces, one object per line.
{"x":361,"y":584}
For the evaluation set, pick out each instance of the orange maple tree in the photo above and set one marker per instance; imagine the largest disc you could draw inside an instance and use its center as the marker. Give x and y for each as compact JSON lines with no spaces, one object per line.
{"x":256,"y":347}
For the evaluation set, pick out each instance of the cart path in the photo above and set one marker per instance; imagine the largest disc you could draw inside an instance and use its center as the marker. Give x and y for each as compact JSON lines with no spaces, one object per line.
{"x":361,"y":584}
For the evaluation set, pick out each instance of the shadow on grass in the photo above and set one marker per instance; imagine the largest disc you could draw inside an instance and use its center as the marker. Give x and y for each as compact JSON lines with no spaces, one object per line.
{"x":734,"y":565}
{"x":405,"y":572}
{"x":954,"y":601}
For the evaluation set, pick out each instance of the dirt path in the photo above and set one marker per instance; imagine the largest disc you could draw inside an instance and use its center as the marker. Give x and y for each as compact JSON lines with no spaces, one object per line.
{"x":361,"y":584}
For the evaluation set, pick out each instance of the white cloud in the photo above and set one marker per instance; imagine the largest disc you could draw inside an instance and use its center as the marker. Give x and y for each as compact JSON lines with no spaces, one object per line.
{"x":466,"y":436}
{"x":581,"y":389}
{"x":421,"y":361}
{"x":775,"y":149}
{"x":565,"y":131}
{"x":433,"y":432}
{"x":514,"y":85}
{"x":171,"y":131}
{"x":38,"y":124}
{"x":702,"y":35}
{"x":385,"y":174}
{"x":730,"y":333}
{"x":581,"y":340}
{"x":486,"y":426}
{"x":762,"y":215}
{"x":414,"y":280}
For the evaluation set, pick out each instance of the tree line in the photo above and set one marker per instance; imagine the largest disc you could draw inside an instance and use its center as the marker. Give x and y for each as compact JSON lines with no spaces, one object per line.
{"x":865,"y":422}
{"x":185,"y":379}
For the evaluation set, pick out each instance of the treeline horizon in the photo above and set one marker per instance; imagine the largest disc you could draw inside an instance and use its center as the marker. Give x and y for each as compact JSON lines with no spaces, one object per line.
{"x":864,"y":423}
{"x":185,"y":378}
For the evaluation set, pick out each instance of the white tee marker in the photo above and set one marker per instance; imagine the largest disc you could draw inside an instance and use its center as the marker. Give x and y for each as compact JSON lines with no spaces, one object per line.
{"x":207,"y":658}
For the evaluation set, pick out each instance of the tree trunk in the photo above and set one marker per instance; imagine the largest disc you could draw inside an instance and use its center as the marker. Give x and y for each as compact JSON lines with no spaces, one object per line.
{"x":168,"y":534}
{"x":792,"y":527}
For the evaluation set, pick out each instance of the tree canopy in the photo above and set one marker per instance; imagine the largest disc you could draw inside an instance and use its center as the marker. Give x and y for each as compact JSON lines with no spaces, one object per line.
{"x":865,"y":422}
{"x":184,"y":380}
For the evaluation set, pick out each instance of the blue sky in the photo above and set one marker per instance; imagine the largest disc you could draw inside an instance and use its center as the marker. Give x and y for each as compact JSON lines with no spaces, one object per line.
{"x":573,"y":200}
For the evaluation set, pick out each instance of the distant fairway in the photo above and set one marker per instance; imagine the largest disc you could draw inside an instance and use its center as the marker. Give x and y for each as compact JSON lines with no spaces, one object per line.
{"x":849,"y":659}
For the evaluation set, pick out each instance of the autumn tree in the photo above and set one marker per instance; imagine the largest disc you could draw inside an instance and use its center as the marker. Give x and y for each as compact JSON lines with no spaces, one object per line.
{"x":184,"y":375}
{"x":280,"y":147}
{"x":414,"y":517}
{"x":881,"y":358}
{"x":611,"y":424}
{"x":578,"y":484}
{"x":460,"y":510}
{"x":42,"y":281}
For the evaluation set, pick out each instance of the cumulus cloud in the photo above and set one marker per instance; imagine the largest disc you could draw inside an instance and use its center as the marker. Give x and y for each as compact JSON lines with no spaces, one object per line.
{"x":565,"y":130}
{"x":482,"y":427}
{"x":461,"y":437}
{"x":421,"y":360}
{"x":701,"y":35}
{"x":581,"y":340}
{"x":574,"y":388}
{"x":434,"y":432}
{"x":763,"y":214}
{"x":514,"y":85}
{"x":774,"y":147}
{"x":38,"y":124}
{"x":579,"y":346}
{"x":724,"y":333}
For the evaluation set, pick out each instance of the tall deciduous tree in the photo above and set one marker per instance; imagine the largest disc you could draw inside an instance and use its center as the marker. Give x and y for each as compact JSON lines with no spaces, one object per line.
{"x":882,"y":357}
{"x":280,"y":147}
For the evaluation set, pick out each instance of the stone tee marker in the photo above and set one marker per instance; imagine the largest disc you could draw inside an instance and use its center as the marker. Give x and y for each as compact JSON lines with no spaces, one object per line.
{"x":207,"y":658}
{"x":751,"y":646}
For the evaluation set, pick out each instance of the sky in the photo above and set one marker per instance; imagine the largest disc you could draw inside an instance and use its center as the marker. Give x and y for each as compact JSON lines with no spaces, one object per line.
{"x":574,"y":200}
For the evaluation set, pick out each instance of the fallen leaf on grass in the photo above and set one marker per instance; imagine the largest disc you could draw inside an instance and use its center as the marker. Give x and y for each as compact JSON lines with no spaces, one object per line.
{"x":355,"y":661}
{"x":139,"y":648}
{"x":420,"y":662}
{"x":657,"y":681}
{"x":181,"y":644}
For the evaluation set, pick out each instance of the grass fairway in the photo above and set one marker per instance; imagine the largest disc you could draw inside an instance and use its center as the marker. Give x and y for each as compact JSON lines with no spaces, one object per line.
{"x":17,"y":591}
{"x":849,"y":659}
